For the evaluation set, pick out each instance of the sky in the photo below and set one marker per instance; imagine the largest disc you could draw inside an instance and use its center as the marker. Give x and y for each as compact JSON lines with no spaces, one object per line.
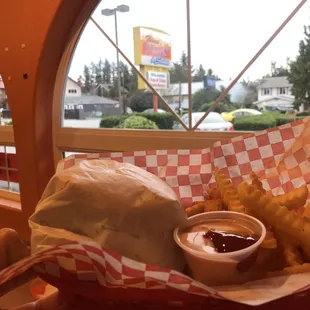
{"x":225,"y":34}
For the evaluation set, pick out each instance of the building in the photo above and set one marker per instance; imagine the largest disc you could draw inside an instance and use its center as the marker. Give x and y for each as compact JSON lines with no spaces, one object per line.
{"x":88,"y":106}
{"x":73,"y":88}
{"x":175,"y":91}
{"x":274,"y":93}
{"x":81,"y":106}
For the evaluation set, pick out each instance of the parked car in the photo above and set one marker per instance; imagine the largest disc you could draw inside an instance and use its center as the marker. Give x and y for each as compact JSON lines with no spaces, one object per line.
{"x":152,"y":111}
{"x":213,"y":122}
{"x":229,"y":116}
{"x":281,"y":109}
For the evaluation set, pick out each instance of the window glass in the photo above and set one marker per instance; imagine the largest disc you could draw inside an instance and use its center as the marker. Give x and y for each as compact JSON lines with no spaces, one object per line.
{"x":237,"y":114}
{"x":104,"y":91}
{"x":8,"y":169}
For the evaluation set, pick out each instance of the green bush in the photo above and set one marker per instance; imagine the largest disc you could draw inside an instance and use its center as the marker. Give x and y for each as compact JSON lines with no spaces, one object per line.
{"x":298,"y":118}
{"x":254,"y":123}
{"x":204,"y":96}
{"x":264,"y":121}
{"x":138,"y":122}
{"x":282,"y":119}
{"x":141,"y":101}
{"x":162,"y":120}
{"x":303,"y":114}
{"x":112,"y":121}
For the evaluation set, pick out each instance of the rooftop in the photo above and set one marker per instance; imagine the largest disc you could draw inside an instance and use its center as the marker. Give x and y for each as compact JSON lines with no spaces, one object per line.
{"x":275,"y":82}
{"x":282,"y":98}
{"x":88,"y":99}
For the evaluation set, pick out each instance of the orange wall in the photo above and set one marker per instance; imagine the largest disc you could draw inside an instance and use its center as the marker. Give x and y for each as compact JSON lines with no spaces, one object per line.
{"x":33,"y":37}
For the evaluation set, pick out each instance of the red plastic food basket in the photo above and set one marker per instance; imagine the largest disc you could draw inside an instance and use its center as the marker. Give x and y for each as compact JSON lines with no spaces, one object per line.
{"x":90,"y":276}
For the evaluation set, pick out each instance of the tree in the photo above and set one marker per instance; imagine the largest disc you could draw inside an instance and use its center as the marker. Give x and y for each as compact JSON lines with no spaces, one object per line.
{"x":98,"y":78}
{"x":279,"y":71}
{"x":106,"y":72}
{"x":141,"y":101}
{"x":251,"y":96}
{"x":101,"y":79}
{"x":132,"y":85}
{"x":199,"y":74}
{"x":178,"y":72}
{"x":207,"y":96}
{"x":87,"y":80}
{"x":299,"y":74}
{"x":210,"y":73}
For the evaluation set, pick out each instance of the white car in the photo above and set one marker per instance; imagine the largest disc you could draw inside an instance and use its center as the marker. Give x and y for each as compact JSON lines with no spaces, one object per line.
{"x":213,"y":122}
{"x":152,"y":111}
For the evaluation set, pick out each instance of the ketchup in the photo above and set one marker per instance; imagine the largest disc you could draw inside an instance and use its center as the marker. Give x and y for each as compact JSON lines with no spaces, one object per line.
{"x":225,"y":242}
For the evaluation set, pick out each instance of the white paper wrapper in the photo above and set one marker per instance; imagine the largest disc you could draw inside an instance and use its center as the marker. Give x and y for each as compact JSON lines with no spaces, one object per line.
{"x":122,"y":207}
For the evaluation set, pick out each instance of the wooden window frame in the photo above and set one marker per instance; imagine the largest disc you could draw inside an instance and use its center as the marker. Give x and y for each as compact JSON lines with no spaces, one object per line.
{"x":100,"y":140}
{"x":6,"y":197}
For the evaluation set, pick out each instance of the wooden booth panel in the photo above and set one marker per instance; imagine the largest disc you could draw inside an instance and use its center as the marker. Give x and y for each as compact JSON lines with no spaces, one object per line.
{"x":33,"y":37}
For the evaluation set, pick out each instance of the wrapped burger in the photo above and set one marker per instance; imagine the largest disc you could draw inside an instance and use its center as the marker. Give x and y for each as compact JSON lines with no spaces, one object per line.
{"x":122,"y":207}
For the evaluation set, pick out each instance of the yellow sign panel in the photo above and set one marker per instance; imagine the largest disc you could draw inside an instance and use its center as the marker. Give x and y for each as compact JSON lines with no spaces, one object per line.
{"x":152,"y":51}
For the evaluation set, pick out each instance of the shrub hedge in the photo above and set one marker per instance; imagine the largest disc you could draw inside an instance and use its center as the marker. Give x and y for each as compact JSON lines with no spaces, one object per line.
{"x":138,"y":122}
{"x":303,"y":114}
{"x":162,"y":120}
{"x":261,"y":122}
{"x":254,"y":123}
{"x":112,"y":121}
{"x":165,"y":120}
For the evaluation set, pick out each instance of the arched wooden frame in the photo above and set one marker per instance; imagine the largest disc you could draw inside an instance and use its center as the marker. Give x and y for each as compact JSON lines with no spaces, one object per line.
{"x":33,"y":38}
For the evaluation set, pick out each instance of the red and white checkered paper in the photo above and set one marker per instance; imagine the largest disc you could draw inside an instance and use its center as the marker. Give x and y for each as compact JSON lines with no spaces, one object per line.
{"x":278,"y":155}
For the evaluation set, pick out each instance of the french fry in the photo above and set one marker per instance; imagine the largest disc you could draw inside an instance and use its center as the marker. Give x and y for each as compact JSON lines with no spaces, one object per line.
{"x":290,"y":270}
{"x":256,"y":182}
{"x":270,"y":242}
{"x":291,"y":254}
{"x":306,"y":212}
{"x":279,"y":217}
{"x":195,"y":203}
{"x":228,"y":192}
{"x":205,"y":206}
{"x":195,"y":209}
{"x":213,"y":205}
{"x":294,"y":199}
{"x":214,"y":193}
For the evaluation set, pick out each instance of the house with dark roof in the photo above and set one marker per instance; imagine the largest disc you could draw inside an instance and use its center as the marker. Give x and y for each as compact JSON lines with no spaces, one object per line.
{"x":91,"y":106}
{"x":275,"y":93}
{"x":80,"y":106}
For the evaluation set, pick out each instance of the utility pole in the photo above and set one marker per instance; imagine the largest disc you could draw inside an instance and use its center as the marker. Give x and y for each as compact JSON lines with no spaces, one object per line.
{"x":110,"y":12}
{"x":180,"y":98}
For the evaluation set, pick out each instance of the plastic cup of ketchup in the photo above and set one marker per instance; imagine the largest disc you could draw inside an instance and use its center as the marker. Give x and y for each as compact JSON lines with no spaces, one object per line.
{"x":221,"y":247}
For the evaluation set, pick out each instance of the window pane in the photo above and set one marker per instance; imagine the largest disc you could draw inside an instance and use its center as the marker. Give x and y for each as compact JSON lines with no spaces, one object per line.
{"x":99,"y":87}
{"x":5,"y":118}
{"x":8,"y":169}
{"x":95,"y":98}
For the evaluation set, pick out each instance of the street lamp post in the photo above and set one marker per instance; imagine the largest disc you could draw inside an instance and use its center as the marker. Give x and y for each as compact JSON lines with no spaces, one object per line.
{"x":110,"y":12}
